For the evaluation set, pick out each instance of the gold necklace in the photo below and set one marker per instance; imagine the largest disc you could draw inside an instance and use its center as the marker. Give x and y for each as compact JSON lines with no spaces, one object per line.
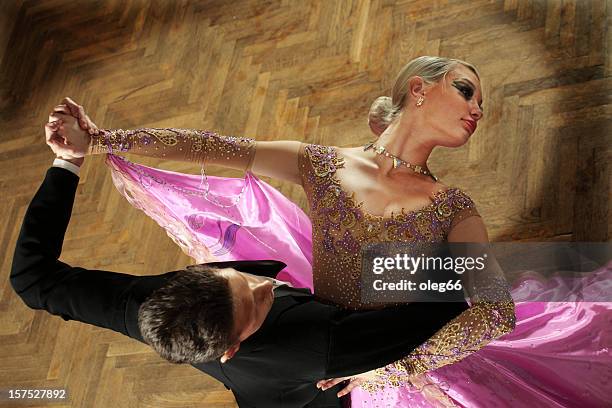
{"x":397,"y":161}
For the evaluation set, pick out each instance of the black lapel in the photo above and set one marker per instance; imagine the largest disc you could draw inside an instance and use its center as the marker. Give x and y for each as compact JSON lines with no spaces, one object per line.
{"x":285,"y":290}
{"x":268,"y":267}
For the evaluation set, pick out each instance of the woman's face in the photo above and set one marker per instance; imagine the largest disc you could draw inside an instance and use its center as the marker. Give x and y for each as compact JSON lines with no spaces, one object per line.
{"x":452,"y":107}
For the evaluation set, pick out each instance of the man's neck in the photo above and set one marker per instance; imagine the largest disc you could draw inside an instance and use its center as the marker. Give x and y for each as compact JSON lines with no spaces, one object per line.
{"x":254,"y":278}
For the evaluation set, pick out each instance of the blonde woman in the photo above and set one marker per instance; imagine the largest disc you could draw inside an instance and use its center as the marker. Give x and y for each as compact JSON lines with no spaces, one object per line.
{"x":379,"y":192}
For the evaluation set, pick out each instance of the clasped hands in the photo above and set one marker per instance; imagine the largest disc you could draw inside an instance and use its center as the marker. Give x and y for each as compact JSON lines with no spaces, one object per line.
{"x":68,"y":131}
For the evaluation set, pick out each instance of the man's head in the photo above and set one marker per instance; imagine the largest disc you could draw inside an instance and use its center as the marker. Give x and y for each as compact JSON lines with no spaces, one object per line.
{"x":203,"y":313}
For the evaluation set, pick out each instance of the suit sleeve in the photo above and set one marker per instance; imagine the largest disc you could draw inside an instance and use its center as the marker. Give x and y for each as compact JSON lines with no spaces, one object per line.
{"x":365,"y":340}
{"x":44,"y":282}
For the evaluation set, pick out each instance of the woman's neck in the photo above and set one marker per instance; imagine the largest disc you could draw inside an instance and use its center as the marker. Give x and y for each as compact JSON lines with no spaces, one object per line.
{"x":405,"y":143}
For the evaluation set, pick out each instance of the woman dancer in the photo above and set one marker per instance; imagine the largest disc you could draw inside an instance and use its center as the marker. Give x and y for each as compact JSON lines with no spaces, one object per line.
{"x":377,"y":193}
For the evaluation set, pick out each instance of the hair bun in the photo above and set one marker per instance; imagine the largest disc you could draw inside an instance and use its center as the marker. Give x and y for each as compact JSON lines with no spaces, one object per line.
{"x":380,"y":115}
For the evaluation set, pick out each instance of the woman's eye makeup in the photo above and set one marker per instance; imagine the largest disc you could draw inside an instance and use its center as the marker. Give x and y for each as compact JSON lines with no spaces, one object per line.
{"x":466,"y":90}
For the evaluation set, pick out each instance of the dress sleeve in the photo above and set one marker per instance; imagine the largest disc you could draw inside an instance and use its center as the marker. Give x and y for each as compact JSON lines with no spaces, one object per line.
{"x":201,"y":146}
{"x":463,"y":214}
{"x":490,"y":316}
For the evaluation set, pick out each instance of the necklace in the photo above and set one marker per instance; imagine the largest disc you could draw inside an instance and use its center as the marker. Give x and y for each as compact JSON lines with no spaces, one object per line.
{"x":397,"y":161}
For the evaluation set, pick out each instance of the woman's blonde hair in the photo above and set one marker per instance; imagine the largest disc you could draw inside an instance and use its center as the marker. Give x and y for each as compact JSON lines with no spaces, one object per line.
{"x":385,"y":109}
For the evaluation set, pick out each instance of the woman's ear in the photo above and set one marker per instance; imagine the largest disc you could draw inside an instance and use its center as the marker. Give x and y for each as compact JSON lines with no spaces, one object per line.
{"x":230,"y":352}
{"x":416,"y":86}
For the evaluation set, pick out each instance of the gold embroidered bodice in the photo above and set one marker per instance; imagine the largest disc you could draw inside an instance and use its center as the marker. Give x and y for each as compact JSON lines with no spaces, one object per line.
{"x":340,"y":227}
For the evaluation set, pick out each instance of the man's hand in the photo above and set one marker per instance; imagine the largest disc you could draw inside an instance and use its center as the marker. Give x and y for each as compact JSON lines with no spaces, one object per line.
{"x":65,"y":137}
{"x":354,"y":381}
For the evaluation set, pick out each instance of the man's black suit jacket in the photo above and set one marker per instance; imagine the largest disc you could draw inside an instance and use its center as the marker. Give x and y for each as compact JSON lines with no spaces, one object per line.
{"x":301,"y":341}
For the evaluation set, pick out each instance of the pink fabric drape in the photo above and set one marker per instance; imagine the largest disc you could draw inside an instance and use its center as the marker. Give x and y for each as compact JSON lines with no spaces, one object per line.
{"x":264,"y":224}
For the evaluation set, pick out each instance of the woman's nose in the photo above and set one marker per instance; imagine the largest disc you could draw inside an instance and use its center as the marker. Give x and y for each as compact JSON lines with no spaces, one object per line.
{"x":476,"y":112}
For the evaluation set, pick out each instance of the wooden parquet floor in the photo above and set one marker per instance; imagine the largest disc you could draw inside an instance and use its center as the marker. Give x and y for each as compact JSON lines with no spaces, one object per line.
{"x":538,"y":167}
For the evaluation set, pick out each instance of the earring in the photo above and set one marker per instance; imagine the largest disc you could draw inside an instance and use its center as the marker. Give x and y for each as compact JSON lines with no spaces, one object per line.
{"x":420,"y":101}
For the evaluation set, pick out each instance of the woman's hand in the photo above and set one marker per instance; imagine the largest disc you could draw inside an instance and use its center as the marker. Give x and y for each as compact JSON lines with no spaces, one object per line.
{"x":78,"y":112}
{"x":354,"y":381}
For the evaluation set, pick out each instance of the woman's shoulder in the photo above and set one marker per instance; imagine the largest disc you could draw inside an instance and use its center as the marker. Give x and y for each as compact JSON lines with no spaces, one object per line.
{"x":454,"y":195}
{"x":321,"y":155}
{"x":459,"y":205}
{"x":314,"y":148}
{"x":330,"y":150}
{"x":457,"y":192}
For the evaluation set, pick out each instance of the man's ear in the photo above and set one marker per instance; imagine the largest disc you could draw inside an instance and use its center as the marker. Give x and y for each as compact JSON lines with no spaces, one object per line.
{"x":230,"y":352}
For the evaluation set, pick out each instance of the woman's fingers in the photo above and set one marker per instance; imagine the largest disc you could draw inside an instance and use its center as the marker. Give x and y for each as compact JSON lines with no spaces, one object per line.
{"x":79,"y":112}
{"x":325,"y":384}
{"x":350,"y":386}
{"x":75,"y":108}
{"x":353,"y":383}
{"x":89,"y":126}
{"x":53,"y":116}
{"x":62,"y":109}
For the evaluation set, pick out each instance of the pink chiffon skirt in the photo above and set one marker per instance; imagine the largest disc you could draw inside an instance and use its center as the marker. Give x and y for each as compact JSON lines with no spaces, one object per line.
{"x":557,"y":356}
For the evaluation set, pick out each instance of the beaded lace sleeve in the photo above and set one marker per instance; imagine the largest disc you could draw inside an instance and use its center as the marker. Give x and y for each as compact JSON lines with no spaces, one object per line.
{"x":490,"y":316}
{"x":201,"y":146}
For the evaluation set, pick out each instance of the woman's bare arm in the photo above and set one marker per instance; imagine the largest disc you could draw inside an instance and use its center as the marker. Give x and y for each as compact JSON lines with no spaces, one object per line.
{"x":278,"y":159}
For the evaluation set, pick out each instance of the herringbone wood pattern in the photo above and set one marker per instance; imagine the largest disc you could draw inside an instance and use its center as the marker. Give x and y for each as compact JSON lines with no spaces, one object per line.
{"x":538,"y":167}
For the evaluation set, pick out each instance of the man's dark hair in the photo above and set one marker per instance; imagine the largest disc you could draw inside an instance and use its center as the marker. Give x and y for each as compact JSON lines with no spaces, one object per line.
{"x":191,"y":318}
